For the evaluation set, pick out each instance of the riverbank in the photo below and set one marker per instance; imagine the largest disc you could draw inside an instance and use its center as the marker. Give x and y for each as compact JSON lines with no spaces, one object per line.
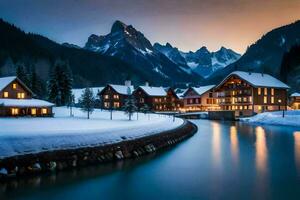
{"x":291,"y":118}
{"x":30,"y":151}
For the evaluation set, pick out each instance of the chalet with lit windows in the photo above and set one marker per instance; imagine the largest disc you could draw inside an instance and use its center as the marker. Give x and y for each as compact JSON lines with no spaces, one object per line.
{"x":295,"y":101}
{"x":200,"y":98}
{"x":16,"y":100}
{"x":113,"y":96}
{"x":249,"y":93}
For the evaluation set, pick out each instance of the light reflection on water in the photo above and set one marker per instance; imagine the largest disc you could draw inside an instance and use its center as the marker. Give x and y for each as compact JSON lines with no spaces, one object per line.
{"x":297,"y":150}
{"x":234,"y":144}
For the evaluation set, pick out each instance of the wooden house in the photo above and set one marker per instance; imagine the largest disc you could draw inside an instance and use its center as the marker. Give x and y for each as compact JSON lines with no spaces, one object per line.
{"x":200,"y":98}
{"x":248,"y":93}
{"x":295,"y":101}
{"x":16,"y":99}
{"x":113,"y":96}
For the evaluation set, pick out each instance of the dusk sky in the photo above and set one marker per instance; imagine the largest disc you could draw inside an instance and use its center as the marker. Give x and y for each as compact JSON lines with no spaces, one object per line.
{"x":187,"y":24}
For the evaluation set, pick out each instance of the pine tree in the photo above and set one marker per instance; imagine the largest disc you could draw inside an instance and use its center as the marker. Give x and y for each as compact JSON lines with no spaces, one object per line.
{"x":71,"y":104}
{"x":145,"y":109}
{"x":87,"y":101}
{"x":130,"y":104}
{"x":36,"y":84}
{"x":22,"y":75}
{"x":53,"y":87}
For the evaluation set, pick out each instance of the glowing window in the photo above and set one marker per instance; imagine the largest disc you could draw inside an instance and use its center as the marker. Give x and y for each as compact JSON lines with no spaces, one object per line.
{"x":272,"y":91}
{"x":116,"y":96}
{"x":33,"y":111}
{"x":266,"y":91}
{"x":106,"y":96}
{"x":44,"y":111}
{"x":14,"y":111}
{"x":259,"y":91}
{"x":265,"y":99}
{"x":116,"y":104}
{"x":14,"y":86}
{"x":21,"y":95}
{"x":272,"y":99}
{"x":5,"y":94}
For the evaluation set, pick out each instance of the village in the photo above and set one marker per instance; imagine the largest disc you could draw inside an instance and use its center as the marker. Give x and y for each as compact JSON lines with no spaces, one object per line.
{"x":242,"y":93}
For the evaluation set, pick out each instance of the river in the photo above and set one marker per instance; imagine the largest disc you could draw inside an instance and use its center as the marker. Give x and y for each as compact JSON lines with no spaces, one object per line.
{"x":223,"y":160}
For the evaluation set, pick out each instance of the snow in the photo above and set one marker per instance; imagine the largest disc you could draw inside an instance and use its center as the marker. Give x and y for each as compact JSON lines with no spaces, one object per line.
{"x":154,"y":91}
{"x":192,"y":65}
{"x":19,"y":136}
{"x":122,"y":89}
{"x":282,"y":41}
{"x":25,"y":103}
{"x":292,"y":118}
{"x":258,"y":80}
{"x":160,"y":72}
{"x":78,"y":92}
{"x":5,"y":81}
{"x":202,"y":89}
{"x":296,"y":94}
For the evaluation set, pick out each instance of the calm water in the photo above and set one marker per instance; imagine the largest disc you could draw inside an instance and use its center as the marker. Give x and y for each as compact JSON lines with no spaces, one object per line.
{"x":223,"y":160}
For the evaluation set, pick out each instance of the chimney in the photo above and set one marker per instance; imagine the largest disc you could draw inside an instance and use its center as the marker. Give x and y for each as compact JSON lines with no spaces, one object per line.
{"x":128,"y":83}
{"x":147,"y":83}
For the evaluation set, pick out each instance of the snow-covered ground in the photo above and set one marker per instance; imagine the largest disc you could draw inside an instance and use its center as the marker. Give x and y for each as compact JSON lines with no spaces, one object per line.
{"x":291,"y":118}
{"x":20,"y":136}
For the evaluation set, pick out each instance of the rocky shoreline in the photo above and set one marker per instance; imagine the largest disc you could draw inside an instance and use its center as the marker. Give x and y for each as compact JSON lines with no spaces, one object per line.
{"x":31,"y":164}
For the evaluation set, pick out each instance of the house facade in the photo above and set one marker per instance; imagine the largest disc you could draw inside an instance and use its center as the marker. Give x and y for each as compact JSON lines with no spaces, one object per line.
{"x":248,"y":93}
{"x":295,"y":101}
{"x":113,"y":96}
{"x":16,"y":100}
{"x":201,"y":98}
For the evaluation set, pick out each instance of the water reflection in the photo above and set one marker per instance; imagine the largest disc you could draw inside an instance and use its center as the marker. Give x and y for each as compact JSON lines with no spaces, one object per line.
{"x":234,"y":144}
{"x":297,"y":150}
{"x":216,"y":144}
{"x":261,"y":150}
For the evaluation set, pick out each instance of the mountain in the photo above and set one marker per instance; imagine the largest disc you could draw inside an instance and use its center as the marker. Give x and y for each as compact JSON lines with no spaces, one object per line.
{"x":131,"y":46}
{"x":202,"y":62}
{"x":36,"y":51}
{"x":266,"y":54}
{"x":66,"y":44}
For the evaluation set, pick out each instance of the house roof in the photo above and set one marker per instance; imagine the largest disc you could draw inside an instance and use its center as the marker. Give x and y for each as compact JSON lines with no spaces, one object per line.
{"x":5,"y":81}
{"x":122,"y":89}
{"x":25,"y":103}
{"x":296,"y":94}
{"x":78,"y":92}
{"x":154,"y":91}
{"x":201,"y":90}
{"x":258,"y":79}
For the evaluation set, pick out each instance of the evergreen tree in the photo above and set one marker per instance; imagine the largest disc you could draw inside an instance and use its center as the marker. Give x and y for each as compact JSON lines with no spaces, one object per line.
{"x":130,"y":104}
{"x":36,"y":84}
{"x":60,"y":85}
{"x":87,"y":101}
{"x":21,"y":74}
{"x":71,"y":104}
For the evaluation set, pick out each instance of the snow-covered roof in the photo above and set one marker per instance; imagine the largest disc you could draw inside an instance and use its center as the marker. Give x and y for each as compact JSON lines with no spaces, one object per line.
{"x":296,"y":94}
{"x":5,"y":81}
{"x":154,"y":91}
{"x":202,"y":89}
{"x":122,"y":89}
{"x":78,"y":92}
{"x":25,"y":103}
{"x":258,"y":79}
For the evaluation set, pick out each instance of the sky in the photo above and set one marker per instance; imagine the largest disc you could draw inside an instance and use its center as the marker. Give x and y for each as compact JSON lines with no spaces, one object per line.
{"x":186,"y":24}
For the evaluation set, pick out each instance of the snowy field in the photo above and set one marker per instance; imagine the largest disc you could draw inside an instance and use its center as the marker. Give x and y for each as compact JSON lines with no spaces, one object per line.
{"x":292,"y":118}
{"x":20,"y":136}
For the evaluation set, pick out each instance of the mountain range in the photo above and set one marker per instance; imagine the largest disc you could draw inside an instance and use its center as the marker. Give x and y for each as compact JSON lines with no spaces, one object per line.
{"x":202,"y":62}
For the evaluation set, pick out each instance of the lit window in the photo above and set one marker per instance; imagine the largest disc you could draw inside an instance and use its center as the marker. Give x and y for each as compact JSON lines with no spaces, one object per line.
{"x":265,"y":99}
{"x":259,"y":107}
{"x":250,"y":107}
{"x":106,"y":96}
{"x":116,"y":96}
{"x":250,"y":99}
{"x":21,"y":95}
{"x":266,"y":91}
{"x":259,"y":91}
{"x":272,"y":91}
{"x":245,"y":107}
{"x":33,"y":111}
{"x":241,"y":107}
{"x":14,"y":86}
{"x":5,"y":94}
{"x":14,"y":111}
{"x":245,"y":99}
{"x":116,"y":104}
{"x":44,"y":111}
{"x":272,"y":99}
{"x":106,"y":104}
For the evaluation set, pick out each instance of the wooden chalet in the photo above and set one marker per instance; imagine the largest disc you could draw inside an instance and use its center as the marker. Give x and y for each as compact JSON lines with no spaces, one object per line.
{"x":248,"y":93}
{"x":113,"y":96}
{"x":200,"y":98}
{"x":16,"y":100}
{"x":295,"y":101}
